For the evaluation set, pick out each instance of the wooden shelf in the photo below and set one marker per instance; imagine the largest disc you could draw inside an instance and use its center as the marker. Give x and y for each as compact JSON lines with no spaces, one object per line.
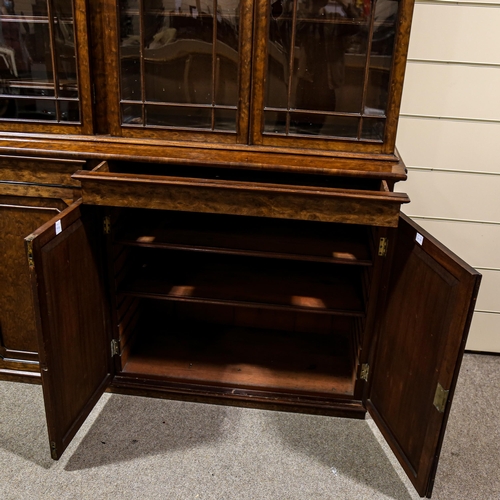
{"x":283,"y":239}
{"x":243,"y":358}
{"x":255,"y":282}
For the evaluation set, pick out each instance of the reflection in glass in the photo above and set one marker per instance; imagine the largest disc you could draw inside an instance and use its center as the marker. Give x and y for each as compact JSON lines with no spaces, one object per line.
{"x":333,"y":126}
{"x":332,"y":58}
{"x":132,"y":113}
{"x":179,"y":52}
{"x":373,"y":129}
{"x":225,"y":119}
{"x":176,"y":116}
{"x":38,"y":70}
{"x":275,"y":122}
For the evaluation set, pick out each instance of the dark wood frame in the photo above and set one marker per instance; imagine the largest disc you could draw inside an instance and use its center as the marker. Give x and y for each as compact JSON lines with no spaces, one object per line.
{"x":80,"y":16}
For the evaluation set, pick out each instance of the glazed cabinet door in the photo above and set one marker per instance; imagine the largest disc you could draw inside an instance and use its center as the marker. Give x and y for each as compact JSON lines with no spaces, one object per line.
{"x":178,"y":70}
{"x":44,"y":67}
{"x":71,"y":312}
{"x":328,"y":74}
{"x":420,"y":345}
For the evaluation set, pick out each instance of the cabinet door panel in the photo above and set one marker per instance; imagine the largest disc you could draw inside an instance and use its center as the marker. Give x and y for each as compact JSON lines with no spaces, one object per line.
{"x":181,"y":72}
{"x":44,"y":67}
{"x":17,"y":324}
{"x":71,"y":309}
{"x":328,"y":75}
{"x":419,"y":349}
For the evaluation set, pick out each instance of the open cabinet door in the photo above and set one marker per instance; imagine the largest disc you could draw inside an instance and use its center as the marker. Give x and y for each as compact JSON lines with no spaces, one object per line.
{"x":419,"y":349}
{"x":71,"y":312}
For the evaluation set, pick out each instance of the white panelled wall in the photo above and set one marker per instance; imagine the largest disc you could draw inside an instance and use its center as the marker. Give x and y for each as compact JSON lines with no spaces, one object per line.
{"x":449,"y":138}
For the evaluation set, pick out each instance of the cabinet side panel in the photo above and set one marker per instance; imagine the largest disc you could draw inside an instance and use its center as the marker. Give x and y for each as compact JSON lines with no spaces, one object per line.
{"x":17,"y":322}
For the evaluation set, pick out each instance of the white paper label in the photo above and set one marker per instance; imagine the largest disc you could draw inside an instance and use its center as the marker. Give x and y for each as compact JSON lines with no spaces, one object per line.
{"x":419,"y":238}
{"x":58,"y":227}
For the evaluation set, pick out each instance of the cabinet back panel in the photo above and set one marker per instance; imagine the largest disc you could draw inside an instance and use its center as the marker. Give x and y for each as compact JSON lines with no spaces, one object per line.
{"x":188,"y":349}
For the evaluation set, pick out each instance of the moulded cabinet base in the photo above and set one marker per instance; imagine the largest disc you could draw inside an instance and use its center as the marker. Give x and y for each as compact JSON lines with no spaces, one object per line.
{"x":247,"y":399}
{"x":14,"y":372}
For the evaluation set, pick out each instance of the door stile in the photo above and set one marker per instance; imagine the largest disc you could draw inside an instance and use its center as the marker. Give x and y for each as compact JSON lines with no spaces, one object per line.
{"x":452,"y":387}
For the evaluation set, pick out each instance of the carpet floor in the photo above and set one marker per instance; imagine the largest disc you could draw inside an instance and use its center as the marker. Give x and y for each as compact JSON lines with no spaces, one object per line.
{"x":143,"y":448}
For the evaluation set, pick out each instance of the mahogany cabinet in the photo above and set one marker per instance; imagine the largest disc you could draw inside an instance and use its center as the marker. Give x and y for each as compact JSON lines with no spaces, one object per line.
{"x":236,"y":238}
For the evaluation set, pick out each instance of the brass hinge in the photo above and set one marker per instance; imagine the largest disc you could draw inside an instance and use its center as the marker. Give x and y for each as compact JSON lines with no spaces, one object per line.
{"x":29,"y":245}
{"x":382,"y":247}
{"x":53,"y":450}
{"x":363,"y":374}
{"x":106,"y":224}
{"x":115,"y":348}
{"x":440,"y":398}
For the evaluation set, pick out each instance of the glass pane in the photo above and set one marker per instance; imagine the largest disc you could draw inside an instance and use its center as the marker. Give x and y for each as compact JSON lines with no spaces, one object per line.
{"x":380,"y":63}
{"x":176,"y":116}
{"x":167,"y":55}
{"x":130,"y":56}
{"x":328,"y":56}
{"x":65,"y":54}
{"x":323,"y":47}
{"x":373,"y":129}
{"x":226,"y":76}
{"x":27,"y":52}
{"x":70,"y":111}
{"x":28,"y":109}
{"x":227,"y":53}
{"x":132,"y":114}
{"x":178,"y":53}
{"x":318,"y":124}
{"x":225,"y":119}
{"x":275,"y":122}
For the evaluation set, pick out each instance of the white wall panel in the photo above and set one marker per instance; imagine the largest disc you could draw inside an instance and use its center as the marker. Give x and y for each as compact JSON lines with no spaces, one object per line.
{"x":453,"y":195}
{"x":449,"y":137}
{"x":489,"y":292}
{"x":449,"y":144}
{"x":456,"y":3}
{"x":484,"y":333}
{"x":446,"y":90}
{"x":477,"y":244}
{"x":449,"y":32}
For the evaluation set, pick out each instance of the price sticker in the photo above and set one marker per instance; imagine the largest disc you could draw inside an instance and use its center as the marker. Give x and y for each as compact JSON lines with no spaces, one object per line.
{"x":419,"y":238}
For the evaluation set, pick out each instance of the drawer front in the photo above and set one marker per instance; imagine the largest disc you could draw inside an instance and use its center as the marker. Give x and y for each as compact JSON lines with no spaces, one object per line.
{"x":46,"y":171}
{"x":105,"y":185}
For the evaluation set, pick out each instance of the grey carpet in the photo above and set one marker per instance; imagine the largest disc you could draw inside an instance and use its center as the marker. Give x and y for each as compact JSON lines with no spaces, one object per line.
{"x":141,"y":448}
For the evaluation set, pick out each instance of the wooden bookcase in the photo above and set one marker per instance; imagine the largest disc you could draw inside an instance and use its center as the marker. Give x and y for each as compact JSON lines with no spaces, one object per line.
{"x":235,"y":237}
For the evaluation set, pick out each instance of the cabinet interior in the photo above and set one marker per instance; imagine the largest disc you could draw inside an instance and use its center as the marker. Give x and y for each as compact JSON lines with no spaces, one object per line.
{"x":240,"y":303}
{"x":244,"y":175}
